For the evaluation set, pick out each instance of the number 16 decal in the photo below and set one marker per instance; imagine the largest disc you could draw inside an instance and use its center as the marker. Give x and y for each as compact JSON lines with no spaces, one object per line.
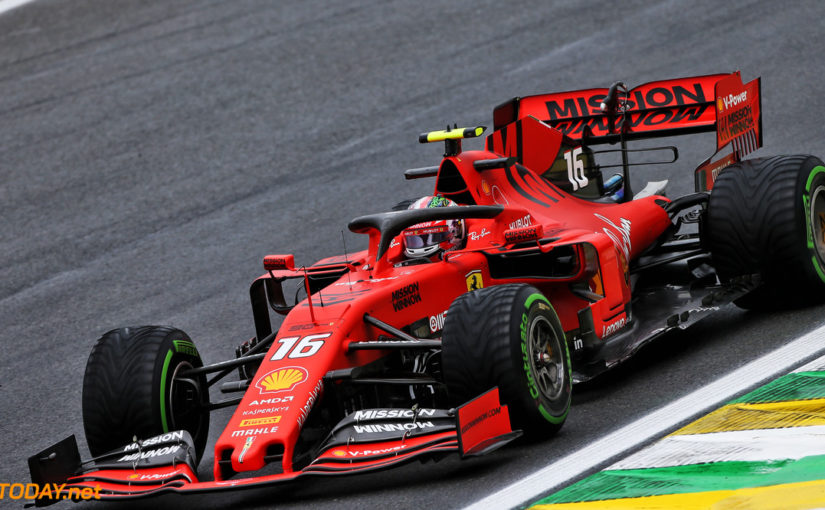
{"x":575,"y":168}
{"x":298,"y":347}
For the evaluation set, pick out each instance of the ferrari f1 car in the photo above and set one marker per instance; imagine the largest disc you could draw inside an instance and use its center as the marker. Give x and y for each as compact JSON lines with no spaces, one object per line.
{"x":554,"y":274}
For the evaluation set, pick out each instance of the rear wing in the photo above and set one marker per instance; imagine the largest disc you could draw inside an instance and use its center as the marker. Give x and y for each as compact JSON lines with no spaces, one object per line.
{"x":715,"y":102}
{"x":655,"y":109}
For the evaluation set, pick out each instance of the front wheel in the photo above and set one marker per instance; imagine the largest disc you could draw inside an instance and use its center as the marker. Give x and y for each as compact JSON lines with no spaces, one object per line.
{"x":509,"y":336}
{"x":134,"y":386}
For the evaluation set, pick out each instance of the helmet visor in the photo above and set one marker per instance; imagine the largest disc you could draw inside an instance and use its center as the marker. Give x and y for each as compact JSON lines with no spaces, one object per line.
{"x":423,"y":238}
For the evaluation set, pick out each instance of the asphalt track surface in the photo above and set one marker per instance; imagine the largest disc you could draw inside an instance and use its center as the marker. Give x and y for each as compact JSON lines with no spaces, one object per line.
{"x":151,"y":152}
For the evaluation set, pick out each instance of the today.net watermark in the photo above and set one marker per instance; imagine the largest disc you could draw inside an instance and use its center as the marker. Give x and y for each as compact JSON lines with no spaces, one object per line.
{"x":47,"y":491}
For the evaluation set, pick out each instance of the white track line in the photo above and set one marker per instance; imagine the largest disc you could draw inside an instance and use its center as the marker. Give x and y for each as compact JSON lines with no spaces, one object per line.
{"x":7,"y":5}
{"x":657,"y":423}
{"x":817,"y":365}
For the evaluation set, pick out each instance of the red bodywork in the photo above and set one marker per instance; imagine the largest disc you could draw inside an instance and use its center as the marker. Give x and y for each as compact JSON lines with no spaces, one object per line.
{"x":581,"y":251}
{"x":401,"y":295}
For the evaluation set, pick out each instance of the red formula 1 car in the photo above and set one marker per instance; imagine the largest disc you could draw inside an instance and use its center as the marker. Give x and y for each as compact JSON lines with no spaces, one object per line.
{"x":463,"y":325}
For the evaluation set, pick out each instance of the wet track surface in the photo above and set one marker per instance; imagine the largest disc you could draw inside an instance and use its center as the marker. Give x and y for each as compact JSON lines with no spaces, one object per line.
{"x":152,"y":152}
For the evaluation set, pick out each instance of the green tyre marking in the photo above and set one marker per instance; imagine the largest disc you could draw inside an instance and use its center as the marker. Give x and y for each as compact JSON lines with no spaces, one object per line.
{"x":816,"y":170}
{"x":186,"y":347}
{"x":819,"y":270}
{"x":534,"y":296}
{"x":527,"y":304}
{"x":525,"y":357}
{"x":163,"y":422}
{"x":552,"y":419}
{"x":806,"y":205}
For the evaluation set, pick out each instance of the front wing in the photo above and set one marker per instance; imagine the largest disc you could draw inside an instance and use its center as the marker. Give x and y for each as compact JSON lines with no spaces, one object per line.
{"x":364,"y":441}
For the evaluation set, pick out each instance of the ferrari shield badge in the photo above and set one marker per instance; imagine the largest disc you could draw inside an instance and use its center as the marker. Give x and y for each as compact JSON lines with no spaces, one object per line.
{"x":474,"y":280}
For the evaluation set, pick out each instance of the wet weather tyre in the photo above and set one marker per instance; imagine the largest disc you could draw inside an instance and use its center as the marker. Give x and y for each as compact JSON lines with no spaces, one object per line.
{"x":509,"y":336}
{"x":133,"y":387}
{"x":766,"y":216}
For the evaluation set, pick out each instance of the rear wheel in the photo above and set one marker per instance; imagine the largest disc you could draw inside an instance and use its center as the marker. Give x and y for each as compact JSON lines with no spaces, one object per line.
{"x":134,"y":386}
{"x":767,"y":216}
{"x":509,"y":336}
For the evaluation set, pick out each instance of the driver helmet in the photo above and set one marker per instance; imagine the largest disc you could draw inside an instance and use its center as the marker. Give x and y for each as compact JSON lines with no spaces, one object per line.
{"x":428,"y":238}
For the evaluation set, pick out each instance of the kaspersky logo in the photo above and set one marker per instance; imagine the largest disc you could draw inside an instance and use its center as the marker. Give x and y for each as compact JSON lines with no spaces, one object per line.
{"x":283,"y":379}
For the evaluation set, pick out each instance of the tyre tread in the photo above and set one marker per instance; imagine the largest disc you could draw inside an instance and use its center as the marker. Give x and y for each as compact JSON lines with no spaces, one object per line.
{"x":756,"y":225}
{"x":118,"y":397}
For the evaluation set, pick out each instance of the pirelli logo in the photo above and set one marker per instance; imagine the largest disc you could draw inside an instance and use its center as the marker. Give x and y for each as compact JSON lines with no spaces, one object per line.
{"x":255,"y":422}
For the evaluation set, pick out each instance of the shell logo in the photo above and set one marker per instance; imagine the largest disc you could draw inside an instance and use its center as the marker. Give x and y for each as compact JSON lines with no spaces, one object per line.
{"x":283,"y":379}
{"x":720,"y":104}
{"x":339,"y":453}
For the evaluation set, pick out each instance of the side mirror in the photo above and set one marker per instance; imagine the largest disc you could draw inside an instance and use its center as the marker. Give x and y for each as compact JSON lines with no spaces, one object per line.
{"x":276,"y":262}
